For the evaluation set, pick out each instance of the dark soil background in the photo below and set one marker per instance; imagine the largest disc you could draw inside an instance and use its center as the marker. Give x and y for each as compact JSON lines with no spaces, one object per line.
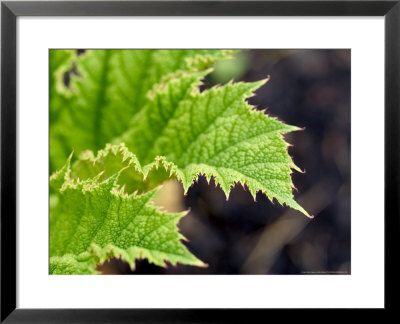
{"x":309,"y":89}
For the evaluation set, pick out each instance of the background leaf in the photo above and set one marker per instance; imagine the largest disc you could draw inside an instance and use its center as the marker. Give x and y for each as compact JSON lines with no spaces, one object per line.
{"x":106,"y":89}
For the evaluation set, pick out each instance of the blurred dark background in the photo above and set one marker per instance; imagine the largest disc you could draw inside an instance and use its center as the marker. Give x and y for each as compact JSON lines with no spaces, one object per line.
{"x":309,"y":89}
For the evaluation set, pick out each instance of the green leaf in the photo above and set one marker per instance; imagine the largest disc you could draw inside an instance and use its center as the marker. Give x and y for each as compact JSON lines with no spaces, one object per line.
{"x":108,"y":89}
{"x":215,"y":133}
{"x":95,"y":215}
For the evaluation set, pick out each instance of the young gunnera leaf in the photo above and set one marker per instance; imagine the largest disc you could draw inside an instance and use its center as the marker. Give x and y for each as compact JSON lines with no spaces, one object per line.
{"x":93,"y":218}
{"x":215,"y":133}
{"x":107,"y":88}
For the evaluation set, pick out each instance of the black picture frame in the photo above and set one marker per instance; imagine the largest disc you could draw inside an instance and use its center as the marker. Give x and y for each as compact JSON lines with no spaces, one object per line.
{"x":10,"y":10}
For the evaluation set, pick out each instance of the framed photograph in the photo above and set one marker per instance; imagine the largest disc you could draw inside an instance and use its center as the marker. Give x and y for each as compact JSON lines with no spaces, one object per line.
{"x":197,"y":161}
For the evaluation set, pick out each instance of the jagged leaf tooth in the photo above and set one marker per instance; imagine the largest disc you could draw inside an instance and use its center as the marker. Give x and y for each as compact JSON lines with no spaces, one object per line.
{"x":59,"y":177}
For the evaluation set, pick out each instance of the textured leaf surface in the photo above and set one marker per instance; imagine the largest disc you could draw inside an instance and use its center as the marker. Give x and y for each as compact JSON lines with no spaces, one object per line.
{"x":96,"y":216}
{"x":216,"y":133}
{"x":107,"y":89}
{"x":70,"y":264}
